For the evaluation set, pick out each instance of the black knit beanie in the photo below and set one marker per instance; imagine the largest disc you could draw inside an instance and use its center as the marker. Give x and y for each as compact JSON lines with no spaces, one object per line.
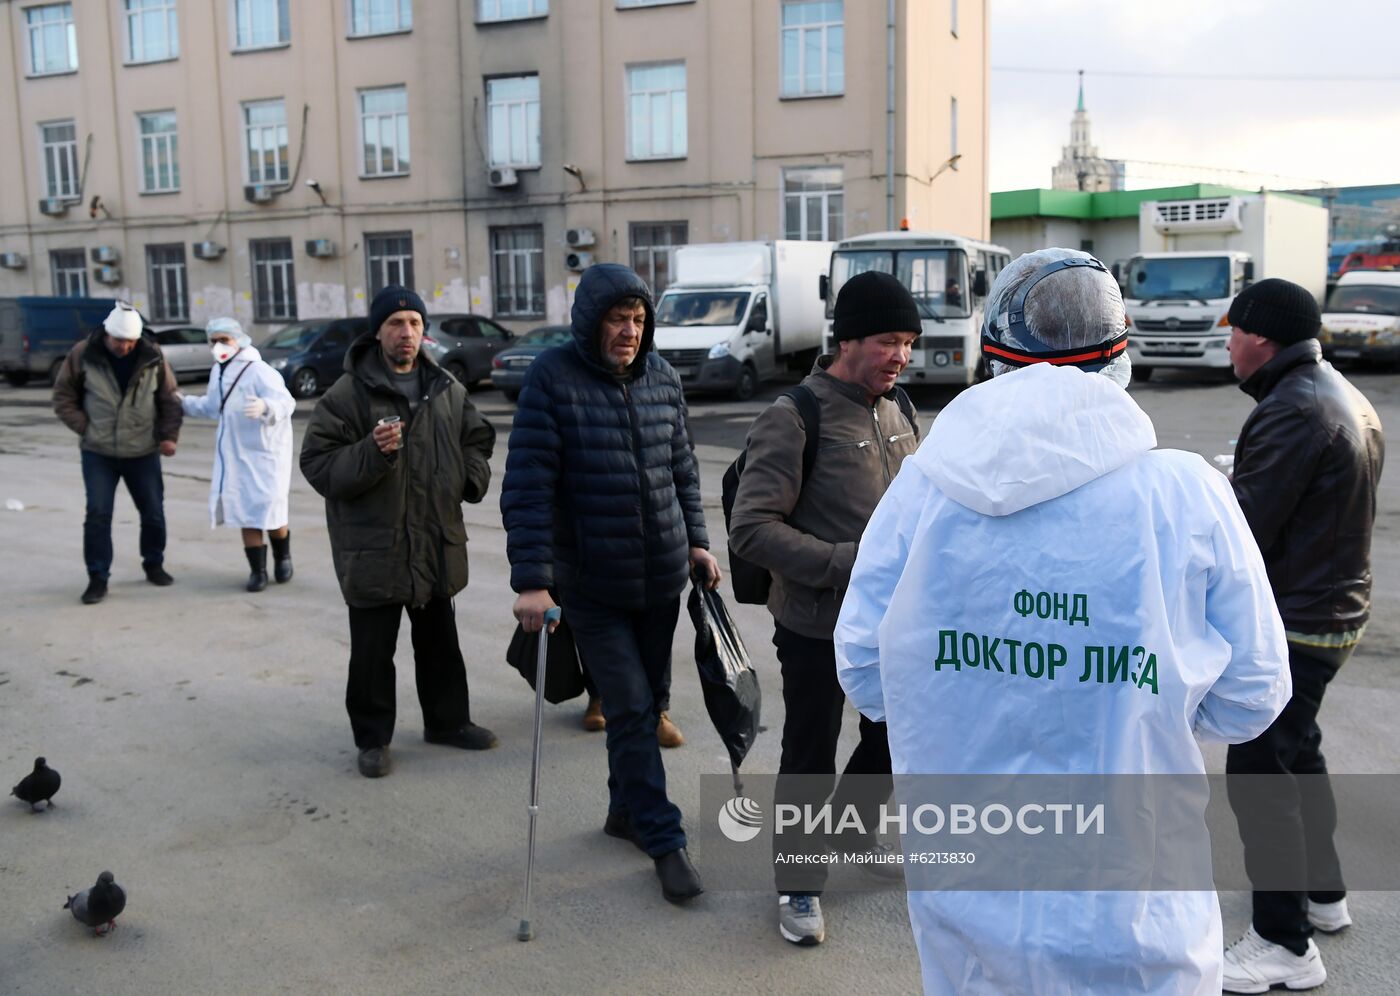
{"x":872,"y":303}
{"x":1276,"y":309}
{"x":391,"y":299}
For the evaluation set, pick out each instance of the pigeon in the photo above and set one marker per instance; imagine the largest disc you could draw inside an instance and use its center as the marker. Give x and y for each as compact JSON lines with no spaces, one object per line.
{"x":39,"y":786}
{"x":99,"y":905}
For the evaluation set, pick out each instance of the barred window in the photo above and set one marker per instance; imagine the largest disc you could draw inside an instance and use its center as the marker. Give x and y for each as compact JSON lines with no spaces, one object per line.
{"x":274,"y":280}
{"x":170,"y":300}
{"x":390,"y":259}
{"x":517,"y":266}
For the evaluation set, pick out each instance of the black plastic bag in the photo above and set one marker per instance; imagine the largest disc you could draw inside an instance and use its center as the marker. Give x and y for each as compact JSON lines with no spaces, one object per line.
{"x":728,"y":680}
{"x":563,"y":676}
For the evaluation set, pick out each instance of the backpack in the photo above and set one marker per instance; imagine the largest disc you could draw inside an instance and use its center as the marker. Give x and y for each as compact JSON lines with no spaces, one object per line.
{"x":752,"y":583}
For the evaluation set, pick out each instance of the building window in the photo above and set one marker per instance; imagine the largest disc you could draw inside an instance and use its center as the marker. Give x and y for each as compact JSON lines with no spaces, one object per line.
{"x":510,"y":10}
{"x":654,"y":251}
{"x":265,"y":141}
{"x":380,"y":17}
{"x":656,"y":117}
{"x":165,"y":266}
{"x":814,"y":44}
{"x":53,"y":39}
{"x":813,"y":204}
{"x":384,"y":131}
{"x":274,"y":282}
{"x":59,"y":142}
{"x":517,"y":268}
{"x":160,"y":160}
{"x":390,"y":258}
{"x":151,"y":30}
{"x":261,"y":23}
{"x":953,"y":132}
{"x":69,"y":268}
{"x":513,"y":108}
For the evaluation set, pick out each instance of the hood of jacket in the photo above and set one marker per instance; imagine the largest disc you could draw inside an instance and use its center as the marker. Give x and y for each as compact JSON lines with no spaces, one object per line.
{"x":1032,"y":435}
{"x":602,"y":286}
{"x":363,"y":362}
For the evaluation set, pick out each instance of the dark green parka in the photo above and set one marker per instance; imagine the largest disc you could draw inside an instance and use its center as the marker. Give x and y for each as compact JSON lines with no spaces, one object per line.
{"x":395,"y":522}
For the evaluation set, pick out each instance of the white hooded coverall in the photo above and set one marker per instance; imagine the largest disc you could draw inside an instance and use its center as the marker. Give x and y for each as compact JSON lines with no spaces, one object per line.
{"x":1045,"y":480}
{"x":252,"y":476}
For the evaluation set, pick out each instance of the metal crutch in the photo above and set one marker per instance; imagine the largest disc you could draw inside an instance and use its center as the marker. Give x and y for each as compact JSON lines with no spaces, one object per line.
{"x":526,"y":931}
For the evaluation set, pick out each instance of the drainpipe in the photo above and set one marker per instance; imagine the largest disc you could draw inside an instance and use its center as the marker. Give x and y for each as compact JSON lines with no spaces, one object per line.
{"x":889,"y":114}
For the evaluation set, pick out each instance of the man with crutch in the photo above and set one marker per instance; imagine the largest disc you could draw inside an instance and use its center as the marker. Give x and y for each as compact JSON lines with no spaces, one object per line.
{"x":601,"y":502}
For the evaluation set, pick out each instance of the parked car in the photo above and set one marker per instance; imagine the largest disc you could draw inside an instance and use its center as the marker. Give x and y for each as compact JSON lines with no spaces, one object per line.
{"x":509,"y":365}
{"x":465,"y":344}
{"x":310,"y":355}
{"x":36,"y":333}
{"x":187,"y":349}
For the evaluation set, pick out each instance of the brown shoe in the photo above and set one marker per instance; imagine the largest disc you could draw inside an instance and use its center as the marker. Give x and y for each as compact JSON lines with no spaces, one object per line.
{"x":593,"y":720}
{"x":668,"y":734}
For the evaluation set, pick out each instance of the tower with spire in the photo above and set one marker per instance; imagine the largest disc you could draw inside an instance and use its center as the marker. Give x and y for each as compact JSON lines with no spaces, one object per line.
{"x":1080,"y":166}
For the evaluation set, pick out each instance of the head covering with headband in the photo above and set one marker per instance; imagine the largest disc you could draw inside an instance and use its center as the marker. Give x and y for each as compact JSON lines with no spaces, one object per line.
{"x":122,"y":322}
{"x":1058,"y":306}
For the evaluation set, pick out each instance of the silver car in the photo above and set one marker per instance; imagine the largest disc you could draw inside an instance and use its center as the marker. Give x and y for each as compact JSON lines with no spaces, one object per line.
{"x":187,"y":349}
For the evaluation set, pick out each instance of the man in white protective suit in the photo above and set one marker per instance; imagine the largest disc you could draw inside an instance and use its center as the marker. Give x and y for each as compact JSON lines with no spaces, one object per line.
{"x":1041,"y":490}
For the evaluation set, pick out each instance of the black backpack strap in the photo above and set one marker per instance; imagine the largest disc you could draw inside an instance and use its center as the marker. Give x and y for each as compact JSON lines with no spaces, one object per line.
{"x":906,"y":408}
{"x":810,"y":409}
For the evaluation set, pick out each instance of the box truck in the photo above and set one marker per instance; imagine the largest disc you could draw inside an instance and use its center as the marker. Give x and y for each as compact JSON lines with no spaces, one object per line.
{"x":739,"y":312}
{"x":1197,"y":254}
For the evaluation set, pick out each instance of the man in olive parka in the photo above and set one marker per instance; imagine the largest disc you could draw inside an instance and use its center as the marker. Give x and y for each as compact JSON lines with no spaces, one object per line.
{"x":395,"y":447}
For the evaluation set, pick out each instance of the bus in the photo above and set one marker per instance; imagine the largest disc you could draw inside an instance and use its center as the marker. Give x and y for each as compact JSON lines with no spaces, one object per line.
{"x":948,"y":275}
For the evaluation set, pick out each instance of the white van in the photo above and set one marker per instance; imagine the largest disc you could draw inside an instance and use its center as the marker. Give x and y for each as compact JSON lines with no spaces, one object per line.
{"x":1362,"y":318}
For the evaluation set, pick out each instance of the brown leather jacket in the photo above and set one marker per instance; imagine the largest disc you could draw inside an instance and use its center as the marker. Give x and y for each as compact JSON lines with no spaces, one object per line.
{"x":1307,"y":465}
{"x":805,"y":532}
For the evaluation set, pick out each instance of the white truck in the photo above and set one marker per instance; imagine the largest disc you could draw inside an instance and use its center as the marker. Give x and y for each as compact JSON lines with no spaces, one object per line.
{"x":739,"y":312}
{"x":949,"y":276}
{"x":1196,"y":255}
{"x":1361,"y":320}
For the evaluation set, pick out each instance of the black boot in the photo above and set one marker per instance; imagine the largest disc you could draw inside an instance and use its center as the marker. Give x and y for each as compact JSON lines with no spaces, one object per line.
{"x":257,"y":560}
{"x":679,"y":879}
{"x":282,"y":558}
{"x":96,"y":589}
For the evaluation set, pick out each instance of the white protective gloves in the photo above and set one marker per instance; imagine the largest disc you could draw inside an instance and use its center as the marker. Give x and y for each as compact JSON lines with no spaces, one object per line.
{"x":254,"y":407}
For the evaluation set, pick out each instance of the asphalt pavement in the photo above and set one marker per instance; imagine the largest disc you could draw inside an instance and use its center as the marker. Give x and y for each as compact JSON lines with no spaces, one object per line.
{"x":207,"y":761}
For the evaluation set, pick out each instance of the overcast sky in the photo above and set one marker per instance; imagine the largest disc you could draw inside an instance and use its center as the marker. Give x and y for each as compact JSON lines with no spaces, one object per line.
{"x":1345,"y":130}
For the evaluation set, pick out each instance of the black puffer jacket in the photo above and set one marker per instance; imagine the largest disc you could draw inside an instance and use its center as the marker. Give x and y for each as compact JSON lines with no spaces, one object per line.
{"x":1307,"y":465}
{"x":395,"y":522}
{"x":601,"y":493}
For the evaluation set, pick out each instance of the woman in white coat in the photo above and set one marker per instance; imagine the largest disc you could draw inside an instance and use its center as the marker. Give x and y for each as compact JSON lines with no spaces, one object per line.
{"x":253,"y":448}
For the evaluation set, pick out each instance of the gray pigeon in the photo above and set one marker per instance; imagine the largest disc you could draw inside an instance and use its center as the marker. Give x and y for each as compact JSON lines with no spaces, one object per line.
{"x":39,"y":786}
{"x":99,"y":905}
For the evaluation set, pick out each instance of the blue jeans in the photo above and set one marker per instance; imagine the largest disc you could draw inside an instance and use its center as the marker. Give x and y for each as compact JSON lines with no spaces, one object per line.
{"x":628,"y":657}
{"x":147,"y":489}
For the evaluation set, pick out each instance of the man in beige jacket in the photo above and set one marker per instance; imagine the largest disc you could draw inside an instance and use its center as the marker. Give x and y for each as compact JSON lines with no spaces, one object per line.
{"x":804,"y":530}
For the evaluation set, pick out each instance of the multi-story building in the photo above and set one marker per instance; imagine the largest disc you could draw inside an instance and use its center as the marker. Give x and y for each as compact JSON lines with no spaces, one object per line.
{"x":282,"y":159}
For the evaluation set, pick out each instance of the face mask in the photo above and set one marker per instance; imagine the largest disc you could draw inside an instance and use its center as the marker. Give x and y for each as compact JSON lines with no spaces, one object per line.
{"x":223,"y":352}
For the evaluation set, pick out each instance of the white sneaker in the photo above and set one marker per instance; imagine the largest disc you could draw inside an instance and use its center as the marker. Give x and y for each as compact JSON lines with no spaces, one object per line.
{"x":800,"y":920}
{"x":1254,"y":965}
{"x":1329,"y":917}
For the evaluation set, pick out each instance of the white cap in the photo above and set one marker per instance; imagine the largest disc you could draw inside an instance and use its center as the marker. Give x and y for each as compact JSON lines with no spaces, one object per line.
{"x":124,"y":322}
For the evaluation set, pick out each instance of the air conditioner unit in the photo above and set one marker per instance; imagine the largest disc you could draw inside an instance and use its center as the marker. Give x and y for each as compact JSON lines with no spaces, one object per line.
{"x":207,"y":250}
{"x":54,"y":206}
{"x":105,"y":254}
{"x":502,"y":176}
{"x":320,"y":248}
{"x":258,"y":193}
{"x":1207,"y":214}
{"x":577,"y":238}
{"x":578,"y":260}
{"x":108,"y":274}
{"x":12,"y":260}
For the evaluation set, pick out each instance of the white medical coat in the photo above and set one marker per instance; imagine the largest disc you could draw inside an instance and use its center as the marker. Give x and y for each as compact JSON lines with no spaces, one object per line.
{"x":252,"y":476}
{"x":1046,"y":480}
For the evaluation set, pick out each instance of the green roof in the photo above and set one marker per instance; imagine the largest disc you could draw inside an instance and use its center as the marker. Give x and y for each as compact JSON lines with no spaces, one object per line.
{"x":1041,"y":203}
